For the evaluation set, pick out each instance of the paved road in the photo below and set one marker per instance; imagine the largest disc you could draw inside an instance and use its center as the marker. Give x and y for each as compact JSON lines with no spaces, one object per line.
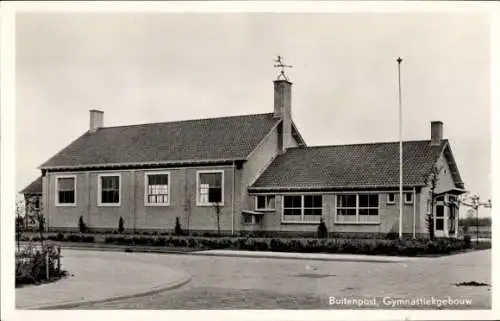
{"x":96,"y":276}
{"x":263,"y":283}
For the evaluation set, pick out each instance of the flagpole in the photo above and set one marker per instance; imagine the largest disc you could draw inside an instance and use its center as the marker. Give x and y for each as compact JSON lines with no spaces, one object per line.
{"x":399,"y":60}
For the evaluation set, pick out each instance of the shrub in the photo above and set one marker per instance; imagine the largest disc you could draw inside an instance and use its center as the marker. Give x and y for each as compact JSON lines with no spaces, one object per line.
{"x":87,"y":239}
{"x":121,"y":227}
{"x":178,"y":228}
{"x":60,"y":236}
{"x":81,"y":225}
{"x":322,"y":229}
{"x":429,"y":221}
{"x":31,"y":264}
{"x":467,"y":241}
{"x":392,"y":236}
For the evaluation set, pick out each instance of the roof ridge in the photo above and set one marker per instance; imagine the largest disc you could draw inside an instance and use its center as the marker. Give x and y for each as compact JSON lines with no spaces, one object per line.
{"x":362,"y":144}
{"x":185,"y":120}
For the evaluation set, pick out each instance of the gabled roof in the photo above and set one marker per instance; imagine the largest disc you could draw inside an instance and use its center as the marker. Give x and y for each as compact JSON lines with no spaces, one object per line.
{"x":374,"y":165}
{"x":34,"y":187}
{"x":202,"y":140}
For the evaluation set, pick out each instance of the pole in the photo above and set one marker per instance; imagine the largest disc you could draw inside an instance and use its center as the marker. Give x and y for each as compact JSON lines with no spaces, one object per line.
{"x":414,"y":211}
{"x":399,"y":60}
{"x":477,"y":223}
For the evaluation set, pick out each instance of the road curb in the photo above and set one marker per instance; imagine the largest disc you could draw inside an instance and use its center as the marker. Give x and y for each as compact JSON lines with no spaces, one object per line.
{"x":297,"y":257}
{"x":244,"y":255}
{"x":68,"y":305}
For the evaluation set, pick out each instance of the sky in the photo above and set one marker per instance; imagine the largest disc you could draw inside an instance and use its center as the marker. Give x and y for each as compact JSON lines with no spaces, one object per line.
{"x":152,"y":67}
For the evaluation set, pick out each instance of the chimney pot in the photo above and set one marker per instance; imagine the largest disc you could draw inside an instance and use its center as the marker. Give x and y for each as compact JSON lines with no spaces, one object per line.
{"x":96,"y":120}
{"x":436,"y":132}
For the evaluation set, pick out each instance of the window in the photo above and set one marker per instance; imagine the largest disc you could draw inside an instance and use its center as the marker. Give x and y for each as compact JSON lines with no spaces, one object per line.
{"x":302,"y":208}
{"x":109,"y":189}
{"x":391,"y":198}
{"x":36,"y":203}
{"x":439,"y":218}
{"x":210,"y":187}
{"x":66,"y":190}
{"x":357,"y":208}
{"x":157,"y":189}
{"x":265,"y":202}
{"x":408,"y":198}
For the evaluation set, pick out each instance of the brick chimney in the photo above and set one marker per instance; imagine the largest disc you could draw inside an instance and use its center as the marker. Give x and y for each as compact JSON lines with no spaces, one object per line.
{"x":96,"y":120}
{"x":283,"y":110}
{"x":436,"y":132}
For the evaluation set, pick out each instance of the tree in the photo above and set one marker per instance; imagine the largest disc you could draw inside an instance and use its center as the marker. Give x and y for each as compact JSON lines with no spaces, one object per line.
{"x":431,"y":181}
{"x":20,"y":221}
{"x":217,"y":208}
{"x":473,"y":202}
{"x":121,"y":224}
{"x":36,"y":214}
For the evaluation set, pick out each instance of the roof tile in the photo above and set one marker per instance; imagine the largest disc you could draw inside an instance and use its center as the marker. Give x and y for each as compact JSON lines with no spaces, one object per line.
{"x":355,"y":166}
{"x":192,"y":140}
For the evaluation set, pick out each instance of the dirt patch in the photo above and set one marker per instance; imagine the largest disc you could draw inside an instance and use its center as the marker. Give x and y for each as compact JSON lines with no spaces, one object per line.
{"x":313,"y":275}
{"x":471,"y":283}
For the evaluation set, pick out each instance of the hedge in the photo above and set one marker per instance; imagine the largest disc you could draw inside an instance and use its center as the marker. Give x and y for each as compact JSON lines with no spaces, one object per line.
{"x":405,"y":247}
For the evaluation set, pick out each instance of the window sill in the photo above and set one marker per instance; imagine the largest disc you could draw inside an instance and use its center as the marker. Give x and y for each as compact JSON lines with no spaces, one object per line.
{"x":356,"y":223}
{"x":265,"y":209}
{"x":300,"y":223}
{"x":66,"y":205}
{"x":210,"y":205}
{"x":109,"y":205}
{"x":391,"y":203}
{"x":156,"y":205}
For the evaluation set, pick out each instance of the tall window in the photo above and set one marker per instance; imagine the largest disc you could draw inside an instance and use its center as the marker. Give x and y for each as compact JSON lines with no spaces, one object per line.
{"x":391,"y":198}
{"x":210,"y":187}
{"x":408,"y":198}
{"x":358,"y":208}
{"x":109,"y":187}
{"x":302,"y":208}
{"x":157,"y":188}
{"x":66,"y":190}
{"x":265,"y":202}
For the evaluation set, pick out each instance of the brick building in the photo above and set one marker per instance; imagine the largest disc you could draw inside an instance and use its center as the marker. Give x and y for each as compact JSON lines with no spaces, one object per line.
{"x":256,"y":169}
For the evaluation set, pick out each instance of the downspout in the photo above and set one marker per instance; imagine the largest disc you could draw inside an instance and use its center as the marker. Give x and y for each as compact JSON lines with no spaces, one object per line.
{"x":134,"y":199}
{"x":414,"y":209}
{"x":89,"y":202}
{"x":232,"y":200}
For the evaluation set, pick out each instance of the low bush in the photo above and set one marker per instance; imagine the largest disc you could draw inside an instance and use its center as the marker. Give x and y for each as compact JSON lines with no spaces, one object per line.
{"x":402,"y":247}
{"x":467,"y":241}
{"x":33,"y":261}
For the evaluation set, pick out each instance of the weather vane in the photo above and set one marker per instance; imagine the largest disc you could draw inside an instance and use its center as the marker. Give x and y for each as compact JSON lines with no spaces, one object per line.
{"x":281,"y":65}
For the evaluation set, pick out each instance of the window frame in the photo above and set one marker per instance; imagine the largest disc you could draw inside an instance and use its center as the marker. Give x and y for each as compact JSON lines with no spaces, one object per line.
{"x":412,"y":198}
{"x":357,"y":221}
{"x":207,"y":171}
{"x":146,"y":188}
{"x":388,"y":198}
{"x":302,"y":202}
{"x":99,"y":190}
{"x":57,"y":203}
{"x":267,"y":208}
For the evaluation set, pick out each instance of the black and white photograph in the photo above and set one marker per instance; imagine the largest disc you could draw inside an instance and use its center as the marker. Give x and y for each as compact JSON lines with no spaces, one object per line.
{"x":227,"y":158}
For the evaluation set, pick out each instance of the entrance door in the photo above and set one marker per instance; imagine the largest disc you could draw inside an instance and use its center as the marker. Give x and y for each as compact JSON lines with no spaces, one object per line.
{"x":440,"y":227}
